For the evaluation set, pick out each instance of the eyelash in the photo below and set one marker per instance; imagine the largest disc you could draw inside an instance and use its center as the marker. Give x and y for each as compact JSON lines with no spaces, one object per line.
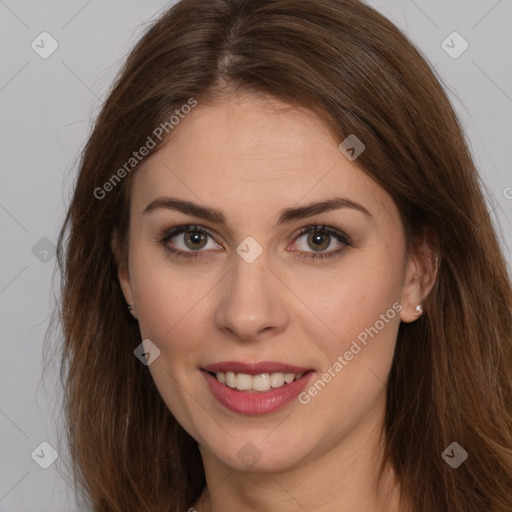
{"x":169,"y":233}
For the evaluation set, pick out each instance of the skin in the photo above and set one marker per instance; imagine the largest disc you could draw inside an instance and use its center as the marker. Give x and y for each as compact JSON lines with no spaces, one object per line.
{"x":250,"y":158}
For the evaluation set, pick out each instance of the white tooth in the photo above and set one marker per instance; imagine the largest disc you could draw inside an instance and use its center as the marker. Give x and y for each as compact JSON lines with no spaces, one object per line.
{"x":277,"y":380}
{"x":261,"y":382}
{"x":289,"y":377}
{"x":256,"y":383}
{"x":231,"y":379}
{"x":243,"y":381}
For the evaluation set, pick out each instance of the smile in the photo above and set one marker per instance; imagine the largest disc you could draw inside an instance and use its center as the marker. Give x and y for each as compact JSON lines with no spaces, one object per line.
{"x":253,"y":393}
{"x":256,"y":383}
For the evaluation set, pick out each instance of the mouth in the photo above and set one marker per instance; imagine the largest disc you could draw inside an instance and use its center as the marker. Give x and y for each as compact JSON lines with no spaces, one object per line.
{"x":258,"y":388}
{"x":255,"y":377}
{"x":259,"y":383}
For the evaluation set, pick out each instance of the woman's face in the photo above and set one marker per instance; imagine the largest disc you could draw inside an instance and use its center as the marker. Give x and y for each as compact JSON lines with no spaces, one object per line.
{"x":248,"y":290}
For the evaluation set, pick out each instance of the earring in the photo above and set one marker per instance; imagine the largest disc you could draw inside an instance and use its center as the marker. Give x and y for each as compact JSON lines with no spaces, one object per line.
{"x":419,"y":310}
{"x":131,"y":309}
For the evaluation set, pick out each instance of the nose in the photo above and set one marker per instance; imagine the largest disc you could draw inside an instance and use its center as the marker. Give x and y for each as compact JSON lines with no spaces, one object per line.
{"x":253,"y":303}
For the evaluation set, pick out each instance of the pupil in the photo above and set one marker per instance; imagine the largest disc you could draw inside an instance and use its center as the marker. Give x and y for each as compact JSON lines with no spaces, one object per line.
{"x":194,"y":237}
{"x":317,"y":240}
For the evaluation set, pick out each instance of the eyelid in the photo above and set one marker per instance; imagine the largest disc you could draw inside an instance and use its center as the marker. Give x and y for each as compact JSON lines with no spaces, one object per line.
{"x":166,"y":234}
{"x":169,"y":232}
{"x":323,"y":228}
{"x":339,"y":235}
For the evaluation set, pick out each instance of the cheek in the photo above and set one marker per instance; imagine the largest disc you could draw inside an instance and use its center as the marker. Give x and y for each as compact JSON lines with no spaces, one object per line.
{"x":365,"y":335}
{"x":170,"y":307}
{"x":356,"y":360}
{"x":355,"y":298}
{"x":169,"y":312}
{"x":161,"y":293}
{"x":154,"y":295}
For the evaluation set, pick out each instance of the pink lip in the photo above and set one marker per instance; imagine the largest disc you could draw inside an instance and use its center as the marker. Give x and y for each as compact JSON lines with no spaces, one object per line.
{"x":254,"y":368}
{"x":257,"y":403}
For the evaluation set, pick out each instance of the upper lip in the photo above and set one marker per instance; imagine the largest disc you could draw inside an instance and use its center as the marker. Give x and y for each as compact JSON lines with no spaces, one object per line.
{"x":254,"y":368}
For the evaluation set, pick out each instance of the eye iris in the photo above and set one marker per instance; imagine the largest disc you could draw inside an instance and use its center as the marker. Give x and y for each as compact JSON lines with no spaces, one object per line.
{"x":316,"y":237}
{"x":194,"y":237}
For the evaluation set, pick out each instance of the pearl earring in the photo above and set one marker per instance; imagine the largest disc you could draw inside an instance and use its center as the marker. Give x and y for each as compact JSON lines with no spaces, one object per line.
{"x":131,"y":309}
{"x":419,"y":310}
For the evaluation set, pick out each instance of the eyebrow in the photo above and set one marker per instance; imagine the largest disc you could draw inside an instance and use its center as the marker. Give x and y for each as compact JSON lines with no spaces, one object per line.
{"x":287,"y":215}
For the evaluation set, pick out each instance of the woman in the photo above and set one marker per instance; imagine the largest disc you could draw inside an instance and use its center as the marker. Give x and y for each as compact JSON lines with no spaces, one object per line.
{"x":281,"y":285}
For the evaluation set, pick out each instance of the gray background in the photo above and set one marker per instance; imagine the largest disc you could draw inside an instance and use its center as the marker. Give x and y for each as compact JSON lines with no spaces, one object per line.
{"x":47,"y":107}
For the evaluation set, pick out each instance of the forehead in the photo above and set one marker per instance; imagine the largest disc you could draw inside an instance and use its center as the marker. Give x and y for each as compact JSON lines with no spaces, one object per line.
{"x":253,"y":154}
{"x":258,"y":136}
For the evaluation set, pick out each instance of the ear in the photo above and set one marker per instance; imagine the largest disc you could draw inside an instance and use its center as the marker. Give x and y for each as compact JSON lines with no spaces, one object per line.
{"x":420,"y":276}
{"x":123,"y":274}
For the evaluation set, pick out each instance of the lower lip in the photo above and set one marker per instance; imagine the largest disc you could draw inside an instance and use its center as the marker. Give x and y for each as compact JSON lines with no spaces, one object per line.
{"x":259,"y":402}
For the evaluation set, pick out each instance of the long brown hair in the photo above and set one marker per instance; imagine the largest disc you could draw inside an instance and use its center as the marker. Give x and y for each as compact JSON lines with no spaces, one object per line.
{"x":451,"y":378}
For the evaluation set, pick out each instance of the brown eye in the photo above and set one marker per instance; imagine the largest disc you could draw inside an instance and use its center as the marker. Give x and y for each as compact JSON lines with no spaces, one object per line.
{"x":318,"y":240}
{"x":188,"y":242}
{"x":195,"y":239}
